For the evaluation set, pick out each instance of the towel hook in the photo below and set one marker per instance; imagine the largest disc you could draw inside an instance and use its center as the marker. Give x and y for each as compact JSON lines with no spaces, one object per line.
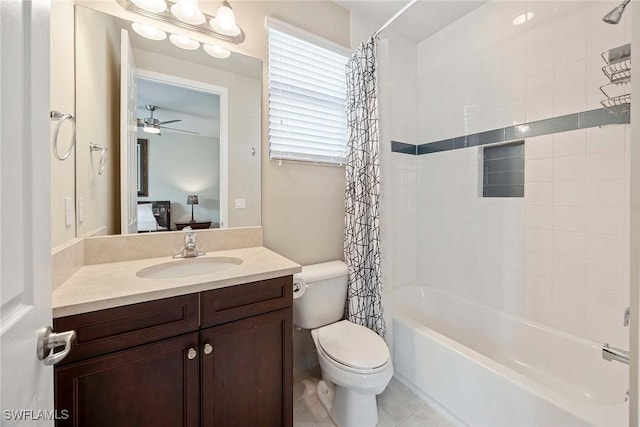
{"x":103,"y":155}
{"x":61,"y":117}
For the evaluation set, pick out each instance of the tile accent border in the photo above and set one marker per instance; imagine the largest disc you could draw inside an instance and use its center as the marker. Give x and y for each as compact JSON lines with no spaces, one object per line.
{"x":582,"y":120}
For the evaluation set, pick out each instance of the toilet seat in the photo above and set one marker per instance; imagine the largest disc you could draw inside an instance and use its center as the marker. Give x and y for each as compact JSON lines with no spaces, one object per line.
{"x":354,"y":347}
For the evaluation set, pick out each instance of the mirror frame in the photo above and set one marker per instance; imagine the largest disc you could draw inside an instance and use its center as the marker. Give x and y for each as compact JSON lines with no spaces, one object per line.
{"x":143,"y":167}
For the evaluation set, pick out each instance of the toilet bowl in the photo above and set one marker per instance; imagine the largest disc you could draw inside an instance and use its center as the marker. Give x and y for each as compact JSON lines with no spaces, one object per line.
{"x":355,"y":362}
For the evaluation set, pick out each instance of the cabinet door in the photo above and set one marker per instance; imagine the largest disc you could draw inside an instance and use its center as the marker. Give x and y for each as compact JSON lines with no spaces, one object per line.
{"x":151,"y":385}
{"x":247,"y":378}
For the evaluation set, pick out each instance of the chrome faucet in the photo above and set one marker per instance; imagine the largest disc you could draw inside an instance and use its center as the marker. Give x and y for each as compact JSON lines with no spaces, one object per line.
{"x":614,"y":353}
{"x":189,"y":250}
{"x":627,"y":315}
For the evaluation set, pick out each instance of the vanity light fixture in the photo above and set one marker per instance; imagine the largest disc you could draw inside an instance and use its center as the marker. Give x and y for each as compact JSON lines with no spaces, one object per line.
{"x":225,"y":20}
{"x":184,"y":42}
{"x":186,"y":14}
{"x":148,"y":31}
{"x":188,"y":11}
{"x":217,"y":51}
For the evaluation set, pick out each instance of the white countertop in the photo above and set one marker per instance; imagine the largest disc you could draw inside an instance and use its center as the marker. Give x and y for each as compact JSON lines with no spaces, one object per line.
{"x":101,"y":286}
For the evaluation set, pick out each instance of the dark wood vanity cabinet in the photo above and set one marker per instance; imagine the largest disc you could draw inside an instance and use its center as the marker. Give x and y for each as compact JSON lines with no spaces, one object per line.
{"x":216,"y":358}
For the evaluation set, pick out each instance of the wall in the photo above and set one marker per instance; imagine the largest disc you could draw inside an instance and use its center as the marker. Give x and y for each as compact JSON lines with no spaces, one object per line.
{"x":97,"y":91}
{"x":244,"y":128}
{"x":559,"y":255}
{"x":182,"y":164}
{"x":62,"y":83}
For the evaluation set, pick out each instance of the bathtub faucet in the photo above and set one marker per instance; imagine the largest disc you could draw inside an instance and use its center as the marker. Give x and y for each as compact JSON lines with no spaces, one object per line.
{"x":614,"y":353}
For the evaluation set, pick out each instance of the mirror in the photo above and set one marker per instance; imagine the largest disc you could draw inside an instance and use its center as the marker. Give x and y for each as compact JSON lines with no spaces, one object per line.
{"x":208,"y":115}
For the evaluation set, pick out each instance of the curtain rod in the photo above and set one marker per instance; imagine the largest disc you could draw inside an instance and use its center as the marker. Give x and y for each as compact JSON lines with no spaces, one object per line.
{"x":394,"y":17}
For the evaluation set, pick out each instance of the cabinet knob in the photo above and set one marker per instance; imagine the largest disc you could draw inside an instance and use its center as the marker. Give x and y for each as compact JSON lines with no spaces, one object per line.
{"x":208,"y":348}
{"x":192,"y":353}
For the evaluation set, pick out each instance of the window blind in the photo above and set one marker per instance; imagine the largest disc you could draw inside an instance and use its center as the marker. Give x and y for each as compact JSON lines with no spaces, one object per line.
{"x":307,"y":96}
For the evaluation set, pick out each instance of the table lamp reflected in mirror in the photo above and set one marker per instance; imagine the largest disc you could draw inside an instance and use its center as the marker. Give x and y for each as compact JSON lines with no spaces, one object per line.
{"x":192,"y":199}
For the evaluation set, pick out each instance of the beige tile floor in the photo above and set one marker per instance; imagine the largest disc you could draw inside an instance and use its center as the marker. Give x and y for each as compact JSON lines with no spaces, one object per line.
{"x":397,"y":406}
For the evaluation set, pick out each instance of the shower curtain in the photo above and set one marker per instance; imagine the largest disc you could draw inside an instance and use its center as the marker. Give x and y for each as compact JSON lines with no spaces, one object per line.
{"x":362,"y":194}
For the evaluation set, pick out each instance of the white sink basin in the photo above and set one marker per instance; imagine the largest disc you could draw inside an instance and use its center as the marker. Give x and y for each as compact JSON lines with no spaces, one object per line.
{"x":188,"y":267}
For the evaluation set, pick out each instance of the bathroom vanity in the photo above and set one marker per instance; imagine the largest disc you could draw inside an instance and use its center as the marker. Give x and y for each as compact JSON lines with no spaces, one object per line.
{"x":217,"y":352}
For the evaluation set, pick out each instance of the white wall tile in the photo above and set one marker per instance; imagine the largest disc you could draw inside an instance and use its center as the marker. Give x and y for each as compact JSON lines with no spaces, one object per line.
{"x":539,"y":193}
{"x":609,"y":275}
{"x":605,"y":248}
{"x":539,"y":240}
{"x":539,"y":217}
{"x":569,"y":168}
{"x":604,"y":302}
{"x":605,"y":139}
{"x":607,"y":221}
{"x":558,"y":255}
{"x":569,"y":269}
{"x":568,"y":294}
{"x":608,"y":165}
{"x":569,"y":193}
{"x":569,"y":319}
{"x":571,"y":143}
{"x":569,"y":243}
{"x":569,"y":218}
{"x":540,"y":147}
{"x":538,"y":170}
{"x":605,"y":194}
{"x":540,"y":287}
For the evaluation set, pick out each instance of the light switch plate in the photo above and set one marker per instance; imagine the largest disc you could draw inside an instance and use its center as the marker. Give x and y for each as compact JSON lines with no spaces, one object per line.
{"x":241,"y":203}
{"x":80,"y":210}
{"x":68,"y":211}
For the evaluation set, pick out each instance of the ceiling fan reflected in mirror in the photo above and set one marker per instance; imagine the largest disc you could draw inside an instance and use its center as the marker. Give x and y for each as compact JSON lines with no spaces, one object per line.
{"x":153,"y":125}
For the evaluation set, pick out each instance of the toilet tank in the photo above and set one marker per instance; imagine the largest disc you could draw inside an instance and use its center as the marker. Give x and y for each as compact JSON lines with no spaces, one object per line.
{"x":324,"y":293}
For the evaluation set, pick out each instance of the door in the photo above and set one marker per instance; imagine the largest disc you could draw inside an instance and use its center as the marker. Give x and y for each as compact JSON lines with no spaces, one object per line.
{"x":247,"y":372}
{"x":150,"y":385}
{"x":128,"y":138}
{"x":25,"y":151}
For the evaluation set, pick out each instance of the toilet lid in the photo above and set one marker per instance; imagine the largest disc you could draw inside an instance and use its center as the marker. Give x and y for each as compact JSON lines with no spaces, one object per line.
{"x":353,"y":345}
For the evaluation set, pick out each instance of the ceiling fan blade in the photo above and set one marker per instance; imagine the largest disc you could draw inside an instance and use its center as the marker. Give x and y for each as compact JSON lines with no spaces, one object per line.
{"x":170,"y":121}
{"x":181,"y":130}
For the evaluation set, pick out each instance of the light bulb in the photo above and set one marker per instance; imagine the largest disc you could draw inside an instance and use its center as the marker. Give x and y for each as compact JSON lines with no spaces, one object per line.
{"x":155,"y":6}
{"x":225,"y":20}
{"x":522,"y":18}
{"x":217,"y":51}
{"x":184,"y":42}
{"x":188,"y":11}
{"x":151,"y":129}
{"x":148,"y":31}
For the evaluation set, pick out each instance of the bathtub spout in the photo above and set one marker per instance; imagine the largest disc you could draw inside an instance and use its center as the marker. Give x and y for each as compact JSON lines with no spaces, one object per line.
{"x":613,"y":353}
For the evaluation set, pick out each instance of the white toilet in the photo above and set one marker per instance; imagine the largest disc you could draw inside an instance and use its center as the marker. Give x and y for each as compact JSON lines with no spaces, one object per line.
{"x":355,"y":362}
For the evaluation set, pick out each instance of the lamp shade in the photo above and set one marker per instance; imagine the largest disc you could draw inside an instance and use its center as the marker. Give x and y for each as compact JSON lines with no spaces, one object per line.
{"x":192,"y":199}
{"x":188,"y":11}
{"x":225,"y":20}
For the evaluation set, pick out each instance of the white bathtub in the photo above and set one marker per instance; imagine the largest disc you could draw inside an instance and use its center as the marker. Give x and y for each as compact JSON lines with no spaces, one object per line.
{"x":488,"y":368}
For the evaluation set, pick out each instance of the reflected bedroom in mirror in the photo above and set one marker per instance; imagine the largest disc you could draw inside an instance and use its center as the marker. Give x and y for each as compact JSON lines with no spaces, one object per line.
{"x":183,"y":130}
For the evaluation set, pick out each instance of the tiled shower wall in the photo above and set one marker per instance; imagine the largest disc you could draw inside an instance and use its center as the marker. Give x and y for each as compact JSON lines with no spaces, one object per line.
{"x":559,"y":255}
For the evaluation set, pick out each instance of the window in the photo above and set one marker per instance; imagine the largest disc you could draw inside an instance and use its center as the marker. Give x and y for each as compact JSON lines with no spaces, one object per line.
{"x":503,"y":170}
{"x":307,"y":96}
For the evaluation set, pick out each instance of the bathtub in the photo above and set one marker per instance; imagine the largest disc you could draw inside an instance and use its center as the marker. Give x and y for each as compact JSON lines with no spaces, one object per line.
{"x":488,"y":368}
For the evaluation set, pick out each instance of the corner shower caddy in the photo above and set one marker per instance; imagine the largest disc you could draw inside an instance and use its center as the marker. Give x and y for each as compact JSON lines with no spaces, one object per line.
{"x":618,"y":71}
